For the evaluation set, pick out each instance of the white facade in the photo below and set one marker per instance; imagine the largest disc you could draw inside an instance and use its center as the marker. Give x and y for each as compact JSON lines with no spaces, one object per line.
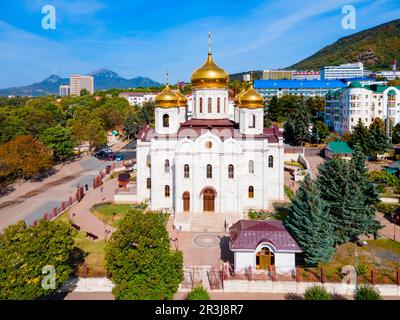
{"x":65,"y":90}
{"x":138,"y":98}
{"x":80,"y":82}
{"x":306,"y":75}
{"x":345,"y":107}
{"x":344,"y":71}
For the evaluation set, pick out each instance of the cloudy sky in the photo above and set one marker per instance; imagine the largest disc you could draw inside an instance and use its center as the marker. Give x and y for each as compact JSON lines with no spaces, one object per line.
{"x":148,"y":37}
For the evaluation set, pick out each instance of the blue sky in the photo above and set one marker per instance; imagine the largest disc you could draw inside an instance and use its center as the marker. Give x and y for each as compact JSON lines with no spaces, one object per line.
{"x":148,"y":37}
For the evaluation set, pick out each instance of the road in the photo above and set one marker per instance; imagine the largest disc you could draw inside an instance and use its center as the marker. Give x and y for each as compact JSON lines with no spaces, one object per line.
{"x":28,"y":201}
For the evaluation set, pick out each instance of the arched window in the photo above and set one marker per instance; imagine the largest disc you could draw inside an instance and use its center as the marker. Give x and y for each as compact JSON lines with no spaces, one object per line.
{"x":252,"y":121}
{"x":219,"y":105}
{"x":209,"y":106}
{"x":148,"y":183}
{"x":209,"y":171}
{"x":230,"y":171}
{"x":201,"y":105}
{"x":270,"y":162}
{"x":186,"y":171}
{"x":166,"y":166}
{"x":148,"y":161}
{"x":251,"y":166}
{"x":166,"y":191}
{"x":165,"y":121}
{"x":251,"y":192}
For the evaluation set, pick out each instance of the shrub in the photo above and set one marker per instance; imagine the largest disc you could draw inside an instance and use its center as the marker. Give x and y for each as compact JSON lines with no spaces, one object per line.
{"x":317,"y":293}
{"x":383,"y":177}
{"x":388,"y":208}
{"x":367,"y":292}
{"x":259,"y":215}
{"x":288,"y":192}
{"x":198,"y":293}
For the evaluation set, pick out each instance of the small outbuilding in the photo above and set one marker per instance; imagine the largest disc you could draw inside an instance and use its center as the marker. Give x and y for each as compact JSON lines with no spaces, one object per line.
{"x":338,"y":149}
{"x":123,"y":179}
{"x":262,"y":245}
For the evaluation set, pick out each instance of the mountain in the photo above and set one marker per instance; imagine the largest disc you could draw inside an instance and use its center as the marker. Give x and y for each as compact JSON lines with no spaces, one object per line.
{"x":375,"y":47}
{"x":103,"y":79}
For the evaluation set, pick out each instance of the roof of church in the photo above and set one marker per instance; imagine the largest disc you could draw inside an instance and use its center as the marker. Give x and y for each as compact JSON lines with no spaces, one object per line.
{"x":248,"y":234}
{"x":223,"y":128}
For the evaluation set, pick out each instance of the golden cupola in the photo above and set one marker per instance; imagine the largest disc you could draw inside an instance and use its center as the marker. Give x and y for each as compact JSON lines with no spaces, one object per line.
{"x":251,"y":99}
{"x":209,"y":75}
{"x":236,"y":100}
{"x":167,"y":98}
{"x":182,"y":100}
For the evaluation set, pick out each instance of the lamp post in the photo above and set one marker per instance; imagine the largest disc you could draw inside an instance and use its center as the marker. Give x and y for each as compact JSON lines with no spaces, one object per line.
{"x":357,"y":242}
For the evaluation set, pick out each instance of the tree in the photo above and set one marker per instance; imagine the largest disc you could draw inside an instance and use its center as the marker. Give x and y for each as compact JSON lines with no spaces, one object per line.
{"x":301,"y":133}
{"x":361,"y":137}
{"x":379,"y":141}
{"x":322,"y":130}
{"x":198,"y":293}
{"x":348,"y":203}
{"x":25,"y":251}
{"x":24,"y":157}
{"x":140,"y":261}
{"x":95,"y":134}
{"x":60,"y":140}
{"x":309,"y":222}
{"x":131,"y":124}
{"x":84,"y":92}
{"x":315,"y":106}
{"x":288,"y":132}
{"x":396,"y":134}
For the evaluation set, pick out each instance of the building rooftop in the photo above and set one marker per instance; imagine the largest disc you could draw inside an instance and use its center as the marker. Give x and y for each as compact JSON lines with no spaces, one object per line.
{"x":248,"y":234}
{"x":338,"y":147}
{"x":293,"y":84}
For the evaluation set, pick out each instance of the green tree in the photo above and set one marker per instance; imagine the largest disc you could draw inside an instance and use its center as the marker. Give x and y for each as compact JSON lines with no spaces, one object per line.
{"x":361,"y":137}
{"x":131,"y":124}
{"x":95,"y":134}
{"x":379,"y":141}
{"x":301,"y":133}
{"x":309,"y":223}
{"x":322,"y":130}
{"x":288,"y":132}
{"x":60,"y":140}
{"x":140,"y":261}
{"x":396,"y":134}
{"x":24,"y":251}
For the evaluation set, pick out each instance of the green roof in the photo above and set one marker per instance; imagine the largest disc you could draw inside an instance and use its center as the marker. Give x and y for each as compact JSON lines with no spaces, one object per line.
{"x":339,"y":147}
{"x":392,"y":92}
{"x":355,"y":84}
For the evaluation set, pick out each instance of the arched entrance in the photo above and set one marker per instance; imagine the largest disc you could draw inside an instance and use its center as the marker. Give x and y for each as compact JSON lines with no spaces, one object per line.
{"x":209,"y":200}
{"x":265,"y":259}
{"x":186,"y":201}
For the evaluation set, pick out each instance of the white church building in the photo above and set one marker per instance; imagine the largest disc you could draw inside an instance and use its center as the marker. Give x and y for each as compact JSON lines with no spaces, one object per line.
{"x":203,"y":164}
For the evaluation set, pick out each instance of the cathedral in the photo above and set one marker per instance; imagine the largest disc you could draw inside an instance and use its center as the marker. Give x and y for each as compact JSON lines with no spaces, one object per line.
{"x":200,"y":163}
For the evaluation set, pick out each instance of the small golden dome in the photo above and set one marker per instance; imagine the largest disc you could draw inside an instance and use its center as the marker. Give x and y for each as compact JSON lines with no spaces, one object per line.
{"x":167,"y":98}
{"x":209,"y":75}
{"x":251,"y":99}
{"x":182,"y":100}
{"x":236,"y":100}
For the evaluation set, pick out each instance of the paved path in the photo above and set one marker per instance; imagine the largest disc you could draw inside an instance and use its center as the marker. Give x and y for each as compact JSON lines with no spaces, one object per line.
{"x":390,"y":230}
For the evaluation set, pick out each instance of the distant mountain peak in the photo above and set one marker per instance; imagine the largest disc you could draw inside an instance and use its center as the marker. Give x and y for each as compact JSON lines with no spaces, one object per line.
{"x":106,"y":73}
{"x":53,"y":79}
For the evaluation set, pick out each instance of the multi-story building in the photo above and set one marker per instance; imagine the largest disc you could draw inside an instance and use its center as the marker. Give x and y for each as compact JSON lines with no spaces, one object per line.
{"x":306,"y":75}
{"x":277,"y":75}
{"x":65,"y":90}
{"x":307,"y":88}
{"x":345,"y":107}
{"x":138,"y":98}
{"x":79,"y":82}
{"x":388,"y":74}
{"x":344,"y":71}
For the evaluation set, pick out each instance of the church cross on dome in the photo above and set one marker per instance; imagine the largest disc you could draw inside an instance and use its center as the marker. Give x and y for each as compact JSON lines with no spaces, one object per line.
{"x":209,"y":42}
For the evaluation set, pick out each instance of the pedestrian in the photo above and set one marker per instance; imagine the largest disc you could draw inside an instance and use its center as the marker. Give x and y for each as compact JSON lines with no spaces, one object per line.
{"x":86,"y":187}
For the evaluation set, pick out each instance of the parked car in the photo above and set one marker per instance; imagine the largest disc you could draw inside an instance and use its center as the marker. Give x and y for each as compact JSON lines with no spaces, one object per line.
{"x":105,"y":155}
{"x":119,"y":157}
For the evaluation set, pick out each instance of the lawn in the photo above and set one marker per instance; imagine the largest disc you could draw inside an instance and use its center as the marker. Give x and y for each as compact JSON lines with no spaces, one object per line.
{"x":105,"y":211}
{"x":381,"y":255}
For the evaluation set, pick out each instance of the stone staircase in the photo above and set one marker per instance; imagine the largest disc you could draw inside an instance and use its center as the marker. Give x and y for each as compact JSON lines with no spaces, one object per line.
{"x":211,"y":222}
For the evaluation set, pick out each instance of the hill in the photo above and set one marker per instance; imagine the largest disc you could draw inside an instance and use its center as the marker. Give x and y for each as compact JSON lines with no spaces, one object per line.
{"x":375,"y":47}
{"x":103,"y":79}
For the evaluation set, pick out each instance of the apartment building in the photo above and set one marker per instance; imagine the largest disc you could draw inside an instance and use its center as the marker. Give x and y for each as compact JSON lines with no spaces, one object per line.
{"x":80,"y":82}
{"x":138,"y":98}
{"x":344,"y":71}
{"x":346,"y":106}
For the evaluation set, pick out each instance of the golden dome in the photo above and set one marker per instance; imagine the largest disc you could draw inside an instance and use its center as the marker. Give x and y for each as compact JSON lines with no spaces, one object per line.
{"x":251,"y":99}
{"x":236,"y":100}
{"x":209,"y":75}
{"x":182,"y":100}
{"x":167,"y":98}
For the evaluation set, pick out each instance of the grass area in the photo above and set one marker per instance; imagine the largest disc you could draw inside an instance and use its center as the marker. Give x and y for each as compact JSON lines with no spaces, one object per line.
{"x":295,"y":164}
{"x":381,"y":255}
{"x":288,"y":192}
{"x":112,"y":214}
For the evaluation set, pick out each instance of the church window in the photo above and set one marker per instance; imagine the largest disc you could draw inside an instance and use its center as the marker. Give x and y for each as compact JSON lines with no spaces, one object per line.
{"x":251,"y":166}
{"x":251,"y":192}
{"x":148,"y":183}
{"x":230,"y":171}
{"x":209,"y":171}
{"x":186,"y":171}
{"x":165,"y":121}
{"x":166,"y":166}
{"x":270,"y":162}
{"x":208,"y":144}
{"x":252,"y":121}
{"x":201,"y":105}
{"x":219,"y":105}
{"x":166,"y":191}
{"x":209,"y":106}
{"x":148,"y":161}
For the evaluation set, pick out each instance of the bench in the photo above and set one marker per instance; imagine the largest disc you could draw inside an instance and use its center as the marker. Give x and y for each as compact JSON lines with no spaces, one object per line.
{"x":91,"y":236}
{"x":75,"y":226}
